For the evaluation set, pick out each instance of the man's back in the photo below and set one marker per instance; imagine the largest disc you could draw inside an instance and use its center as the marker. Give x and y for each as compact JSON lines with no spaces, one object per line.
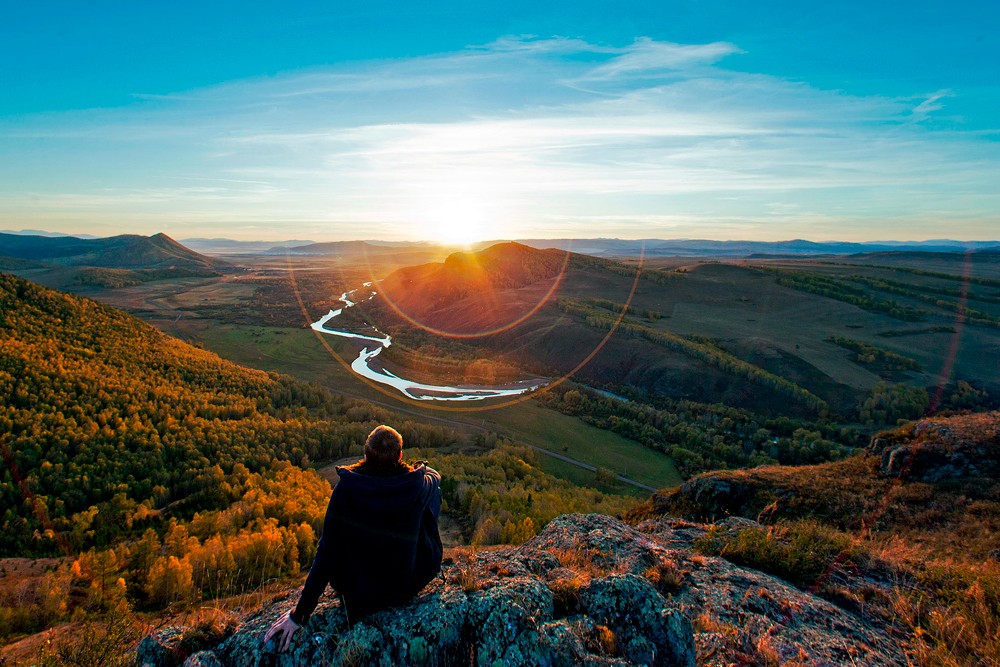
{"x":385,"y":535}
{"x":380,"y":543}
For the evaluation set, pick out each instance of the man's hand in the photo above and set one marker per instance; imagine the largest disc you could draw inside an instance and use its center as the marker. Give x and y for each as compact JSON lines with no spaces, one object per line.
{"x":282,"y":632}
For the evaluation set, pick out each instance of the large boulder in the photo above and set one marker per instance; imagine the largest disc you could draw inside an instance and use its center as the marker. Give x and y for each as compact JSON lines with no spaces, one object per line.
{"x":588,"y":590}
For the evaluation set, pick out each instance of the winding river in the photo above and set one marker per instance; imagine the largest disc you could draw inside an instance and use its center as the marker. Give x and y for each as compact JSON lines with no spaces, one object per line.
{"x":366,"y":364}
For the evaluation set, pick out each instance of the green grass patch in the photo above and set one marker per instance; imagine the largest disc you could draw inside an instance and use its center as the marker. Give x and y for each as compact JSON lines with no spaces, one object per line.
{"x":571,"y":437}
{"x":581,"y":477}
{"x":283,"y":349}
{"x":803,"y":552}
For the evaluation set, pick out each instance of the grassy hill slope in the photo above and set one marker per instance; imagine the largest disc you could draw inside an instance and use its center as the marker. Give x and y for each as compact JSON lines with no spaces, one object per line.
{"x":908,"y":532}
{"x":748,"y":335}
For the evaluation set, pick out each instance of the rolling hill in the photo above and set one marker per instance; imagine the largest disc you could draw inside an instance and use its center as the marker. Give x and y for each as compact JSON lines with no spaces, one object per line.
{"x":744,"y":335}
{"x":472,"y":292}
{"x":101,"y":412}
{"x":127,"y":251}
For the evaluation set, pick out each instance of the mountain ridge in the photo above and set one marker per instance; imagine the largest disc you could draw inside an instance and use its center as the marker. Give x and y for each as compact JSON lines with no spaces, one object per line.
{"x":127,"y":251}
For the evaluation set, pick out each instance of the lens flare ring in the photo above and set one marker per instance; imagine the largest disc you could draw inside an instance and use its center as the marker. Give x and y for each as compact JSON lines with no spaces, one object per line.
{"x":479,"y":334}
{"x":478,"y":407}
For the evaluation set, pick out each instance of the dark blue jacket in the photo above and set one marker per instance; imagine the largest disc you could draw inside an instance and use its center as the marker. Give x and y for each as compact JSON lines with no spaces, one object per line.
{"x":380,"y":542}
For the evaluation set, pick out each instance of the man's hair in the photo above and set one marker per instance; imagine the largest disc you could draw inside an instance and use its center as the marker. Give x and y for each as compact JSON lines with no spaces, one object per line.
{"x":384,"y":445}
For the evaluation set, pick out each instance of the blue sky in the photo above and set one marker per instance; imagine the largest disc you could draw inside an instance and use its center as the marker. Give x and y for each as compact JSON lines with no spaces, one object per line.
{"x":848,"y":120}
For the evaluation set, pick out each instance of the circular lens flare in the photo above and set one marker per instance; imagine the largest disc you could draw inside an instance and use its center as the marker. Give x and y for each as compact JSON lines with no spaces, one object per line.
{"x":476,"y":334}
{"x":476,"y":407}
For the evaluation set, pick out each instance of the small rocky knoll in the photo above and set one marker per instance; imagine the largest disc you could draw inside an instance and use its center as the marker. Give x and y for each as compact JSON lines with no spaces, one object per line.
{"x":954,"y":458}
{"x":934,"y":450}
{"x":588,"y":590}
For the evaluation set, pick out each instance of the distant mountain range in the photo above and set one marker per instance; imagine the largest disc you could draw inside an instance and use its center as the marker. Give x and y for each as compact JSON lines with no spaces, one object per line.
{"x":42,"y":232}
{"x":348,"y":247}
{"x":652,"y":247}
{"x":127,"y":251}
{"x":602,"y":247}
{"x":221,"y":246}
{"x":709,"y":248}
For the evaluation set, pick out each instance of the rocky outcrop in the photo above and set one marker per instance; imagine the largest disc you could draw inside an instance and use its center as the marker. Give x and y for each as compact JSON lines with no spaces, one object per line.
{"x":934,"y":450}
{"x":588,"y":590}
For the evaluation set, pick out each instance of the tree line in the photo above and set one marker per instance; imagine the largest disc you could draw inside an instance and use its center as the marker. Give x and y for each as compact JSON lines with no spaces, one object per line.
{"x":873,"y":355}
{"x":703,"y":436}
{"x":840,"y":290}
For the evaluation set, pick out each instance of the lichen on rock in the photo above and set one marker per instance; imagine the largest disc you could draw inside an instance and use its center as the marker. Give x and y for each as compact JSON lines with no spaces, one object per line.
{"x":588,"y":590}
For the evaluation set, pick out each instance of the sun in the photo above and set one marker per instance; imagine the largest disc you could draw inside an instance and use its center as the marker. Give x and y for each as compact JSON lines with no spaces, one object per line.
{"x":457,"y":222}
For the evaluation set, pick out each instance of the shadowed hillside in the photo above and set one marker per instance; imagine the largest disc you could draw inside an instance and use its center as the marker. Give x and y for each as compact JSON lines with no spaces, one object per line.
{"x":471,"y":292}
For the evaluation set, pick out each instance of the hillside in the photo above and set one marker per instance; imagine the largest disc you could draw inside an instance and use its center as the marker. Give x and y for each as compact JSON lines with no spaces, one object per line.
{"x":117,"y":252}
{"x":147,"y":474}
{"x":825,"y":334}
{"x":470,"y":293}
{"x":908,"y":531}
{"x":930,"y":481}
{"x":102,"y":411}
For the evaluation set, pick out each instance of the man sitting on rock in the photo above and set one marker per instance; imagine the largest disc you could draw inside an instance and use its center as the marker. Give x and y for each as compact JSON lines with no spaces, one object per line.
{"x":380,"y":543}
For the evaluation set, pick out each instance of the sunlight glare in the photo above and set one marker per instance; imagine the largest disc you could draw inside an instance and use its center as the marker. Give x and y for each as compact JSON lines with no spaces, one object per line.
{"x":457,"y":222}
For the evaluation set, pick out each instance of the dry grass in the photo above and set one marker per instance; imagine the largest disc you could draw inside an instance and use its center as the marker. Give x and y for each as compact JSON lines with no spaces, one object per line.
{"x":804,"y":552}
{"x":954,"y":617}
{"x":708,"y":622}
{"x":469,"y":580}
{"x":606,"y":640}
{"x":587,"y":563}
{"x":768,"y":654}
{"x":566,"y":595}
{"x":601,"y":640}
{"x":666,"y":576}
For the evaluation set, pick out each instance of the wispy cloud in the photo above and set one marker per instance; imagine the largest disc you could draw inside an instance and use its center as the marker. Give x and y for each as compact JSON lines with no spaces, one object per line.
{"x":930,"y":105}
{"x":648,"y":57}
{"x":524,"y":136}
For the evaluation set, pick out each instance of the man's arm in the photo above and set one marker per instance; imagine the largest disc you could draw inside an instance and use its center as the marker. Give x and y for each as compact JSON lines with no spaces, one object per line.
{"x":321,"y":570}
{"x":432,"y":491}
